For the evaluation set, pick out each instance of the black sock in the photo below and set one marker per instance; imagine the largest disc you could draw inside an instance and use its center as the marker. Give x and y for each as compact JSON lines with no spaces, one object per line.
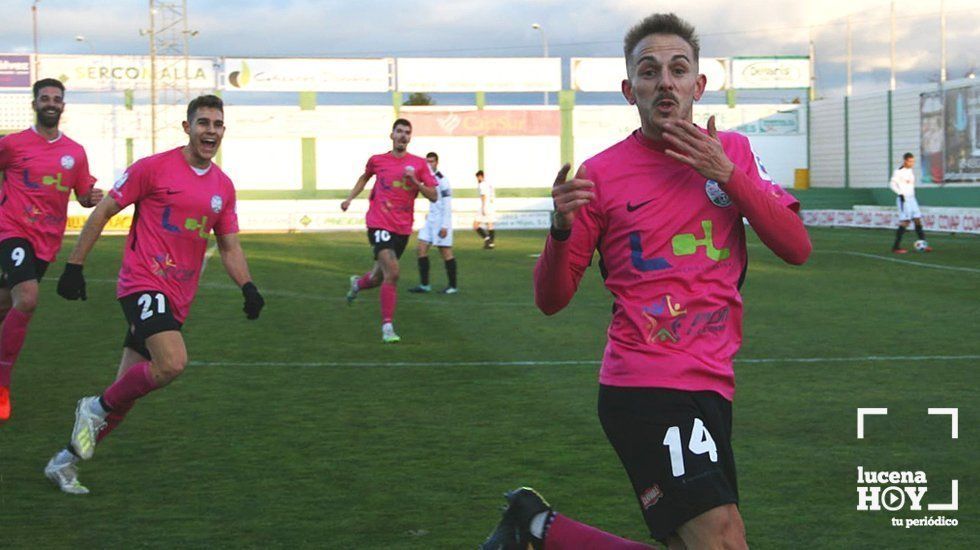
{"x":424,"y":270}
{"x":492,"y":233}
{"x":104,"y":405}
{"x":482,"y":232}
{"x":451,"y":272}
{"x":919,"y":231}
{"x":898,"y":237}
{"x":71,"y":450}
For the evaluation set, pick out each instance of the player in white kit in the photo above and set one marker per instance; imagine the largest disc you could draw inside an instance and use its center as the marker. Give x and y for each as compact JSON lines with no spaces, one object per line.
{"x":903,"y":184}
{"x":438,"y":231}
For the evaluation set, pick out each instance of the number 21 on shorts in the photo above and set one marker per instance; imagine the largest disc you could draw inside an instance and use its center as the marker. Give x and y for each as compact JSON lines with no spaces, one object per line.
{"x":701,"y":442}
{"x":145,"y":301}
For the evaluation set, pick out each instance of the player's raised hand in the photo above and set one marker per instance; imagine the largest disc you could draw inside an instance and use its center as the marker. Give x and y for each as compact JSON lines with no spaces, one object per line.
{"x":71,"y":284}
{"x":702,"y":152}
{"x":570,"y":195}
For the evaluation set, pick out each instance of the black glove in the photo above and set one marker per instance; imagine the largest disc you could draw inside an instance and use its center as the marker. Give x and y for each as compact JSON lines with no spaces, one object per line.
{"x":253,"y":300}
{"x":71,"y":285}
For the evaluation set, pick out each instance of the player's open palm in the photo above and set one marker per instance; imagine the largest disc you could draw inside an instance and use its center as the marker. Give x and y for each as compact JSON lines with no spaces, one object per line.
{"x":570,"y":196}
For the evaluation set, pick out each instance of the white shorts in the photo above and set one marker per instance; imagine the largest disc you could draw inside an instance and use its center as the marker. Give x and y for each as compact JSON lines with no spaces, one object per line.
{"x":430,"y":234}
{"x":908,"y":209}
{"x":486,"y":216}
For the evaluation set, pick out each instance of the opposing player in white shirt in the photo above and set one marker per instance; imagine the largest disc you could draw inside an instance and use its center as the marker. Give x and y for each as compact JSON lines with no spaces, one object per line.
{"x":485,"y":217}
{"x":438,"y":231}
{"x":903,"y":184}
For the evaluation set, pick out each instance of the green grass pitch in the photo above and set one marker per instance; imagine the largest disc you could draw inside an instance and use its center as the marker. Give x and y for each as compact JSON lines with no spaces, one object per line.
{"x":302,"y":430}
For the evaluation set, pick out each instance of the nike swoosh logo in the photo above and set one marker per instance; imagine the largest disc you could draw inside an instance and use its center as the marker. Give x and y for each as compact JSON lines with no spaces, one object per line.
{"x":632,"y":207}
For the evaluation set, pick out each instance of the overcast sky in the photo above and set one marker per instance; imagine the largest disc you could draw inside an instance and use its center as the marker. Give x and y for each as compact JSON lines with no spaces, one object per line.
{"x":475,"y":28}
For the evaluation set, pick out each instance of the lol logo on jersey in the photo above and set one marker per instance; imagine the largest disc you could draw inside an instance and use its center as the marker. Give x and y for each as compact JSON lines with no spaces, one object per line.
{"x":900,"y":490}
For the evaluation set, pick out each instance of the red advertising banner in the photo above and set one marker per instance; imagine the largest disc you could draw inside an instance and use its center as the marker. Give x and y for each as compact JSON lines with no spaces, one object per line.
{"x":485,"y":123}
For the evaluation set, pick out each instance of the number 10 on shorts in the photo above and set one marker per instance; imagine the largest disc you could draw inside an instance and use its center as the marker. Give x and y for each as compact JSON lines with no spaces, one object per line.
{"x":700,"y":443}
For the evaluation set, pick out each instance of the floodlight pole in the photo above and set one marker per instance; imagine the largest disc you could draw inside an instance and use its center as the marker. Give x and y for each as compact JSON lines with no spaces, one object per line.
{"x":891,"y":80}
{"x":153,"y":80}
{"x":544,"y":44}
{"x":942,"y":42}
{"x":849,"y":57}
{"x":34,"y":20}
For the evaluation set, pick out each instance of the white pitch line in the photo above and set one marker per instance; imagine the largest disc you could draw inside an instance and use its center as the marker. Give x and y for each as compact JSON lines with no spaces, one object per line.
{"x":450,"y":302}
{"x":207,"y":256}
{"x":909,"y":262}
{"x":886,"y":258}
{"x":867,"y":358}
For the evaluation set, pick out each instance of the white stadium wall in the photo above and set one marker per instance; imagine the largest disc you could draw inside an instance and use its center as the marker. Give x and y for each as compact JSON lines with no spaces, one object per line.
{"x":827,"y":143}
{"x":868,"y":155}
{"x":263,"y":146}
{"x":868,"y":126}
{"x":906,"y":125}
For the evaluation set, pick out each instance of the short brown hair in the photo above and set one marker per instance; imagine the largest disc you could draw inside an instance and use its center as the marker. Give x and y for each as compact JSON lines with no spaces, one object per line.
{"x":660,"y":23}
{"x":212,"y":101}
{"x":48,"y":83}
{"x":401,"y":122}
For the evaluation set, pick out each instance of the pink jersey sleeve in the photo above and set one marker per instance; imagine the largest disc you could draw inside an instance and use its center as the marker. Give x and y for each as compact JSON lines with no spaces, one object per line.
{"x":566,"y":256}
{"x":771,"y":212}
{"x":132,"y":185}
{"x":370,"y":168}
{"x":5,"y":154}
{"x":85,"y":180}
{"x":227,"y":224}
{"x":426,"y":175}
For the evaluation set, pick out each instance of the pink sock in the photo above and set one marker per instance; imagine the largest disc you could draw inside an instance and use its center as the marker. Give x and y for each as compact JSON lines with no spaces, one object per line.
{"x":13,"y":330}
{"x":133,"y":384}
{"x":568,"y":533}
{"x":114,"y":418}
{"x":366,"y":281}
{"x":389,"y":297}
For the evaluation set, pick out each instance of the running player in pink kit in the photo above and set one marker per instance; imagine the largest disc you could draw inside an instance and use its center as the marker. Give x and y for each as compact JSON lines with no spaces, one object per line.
{"x":41,"y":167}
{"x":664,"y":209}
{"x":389,"y":219}
{"x":180,"y":198}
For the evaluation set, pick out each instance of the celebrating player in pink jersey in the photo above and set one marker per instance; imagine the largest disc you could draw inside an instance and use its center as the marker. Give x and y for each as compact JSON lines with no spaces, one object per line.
{"x":664,"y":208}
{"x":399,"y":177}
{"x":41,"y":167}
{"x":180,"y":198}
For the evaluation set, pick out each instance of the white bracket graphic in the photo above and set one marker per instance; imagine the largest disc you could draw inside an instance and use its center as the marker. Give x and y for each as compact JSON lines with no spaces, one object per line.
{"x":864,"y":411}
{"x":955,"y":414}
{"x":955,"y":498}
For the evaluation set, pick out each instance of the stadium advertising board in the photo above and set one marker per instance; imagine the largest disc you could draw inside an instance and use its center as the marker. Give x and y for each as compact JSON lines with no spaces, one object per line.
{"x":15,"y":71}
{"x":509,"y":122}
{"x":486,"y":74}
{"x":604,"y":74}
{"x":770,"y":72}
{"x":125,"y":72}
{"x":962,"y":144}
{"x":945,"y":220}
{"x":307,"y":75}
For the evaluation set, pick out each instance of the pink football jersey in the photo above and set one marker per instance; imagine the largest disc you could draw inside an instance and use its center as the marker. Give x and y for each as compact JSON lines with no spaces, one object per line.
{"x":176,"y":210}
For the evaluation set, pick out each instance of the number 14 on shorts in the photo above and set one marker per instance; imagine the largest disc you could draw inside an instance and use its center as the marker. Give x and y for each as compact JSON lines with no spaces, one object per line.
{"x":701,"y":442}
